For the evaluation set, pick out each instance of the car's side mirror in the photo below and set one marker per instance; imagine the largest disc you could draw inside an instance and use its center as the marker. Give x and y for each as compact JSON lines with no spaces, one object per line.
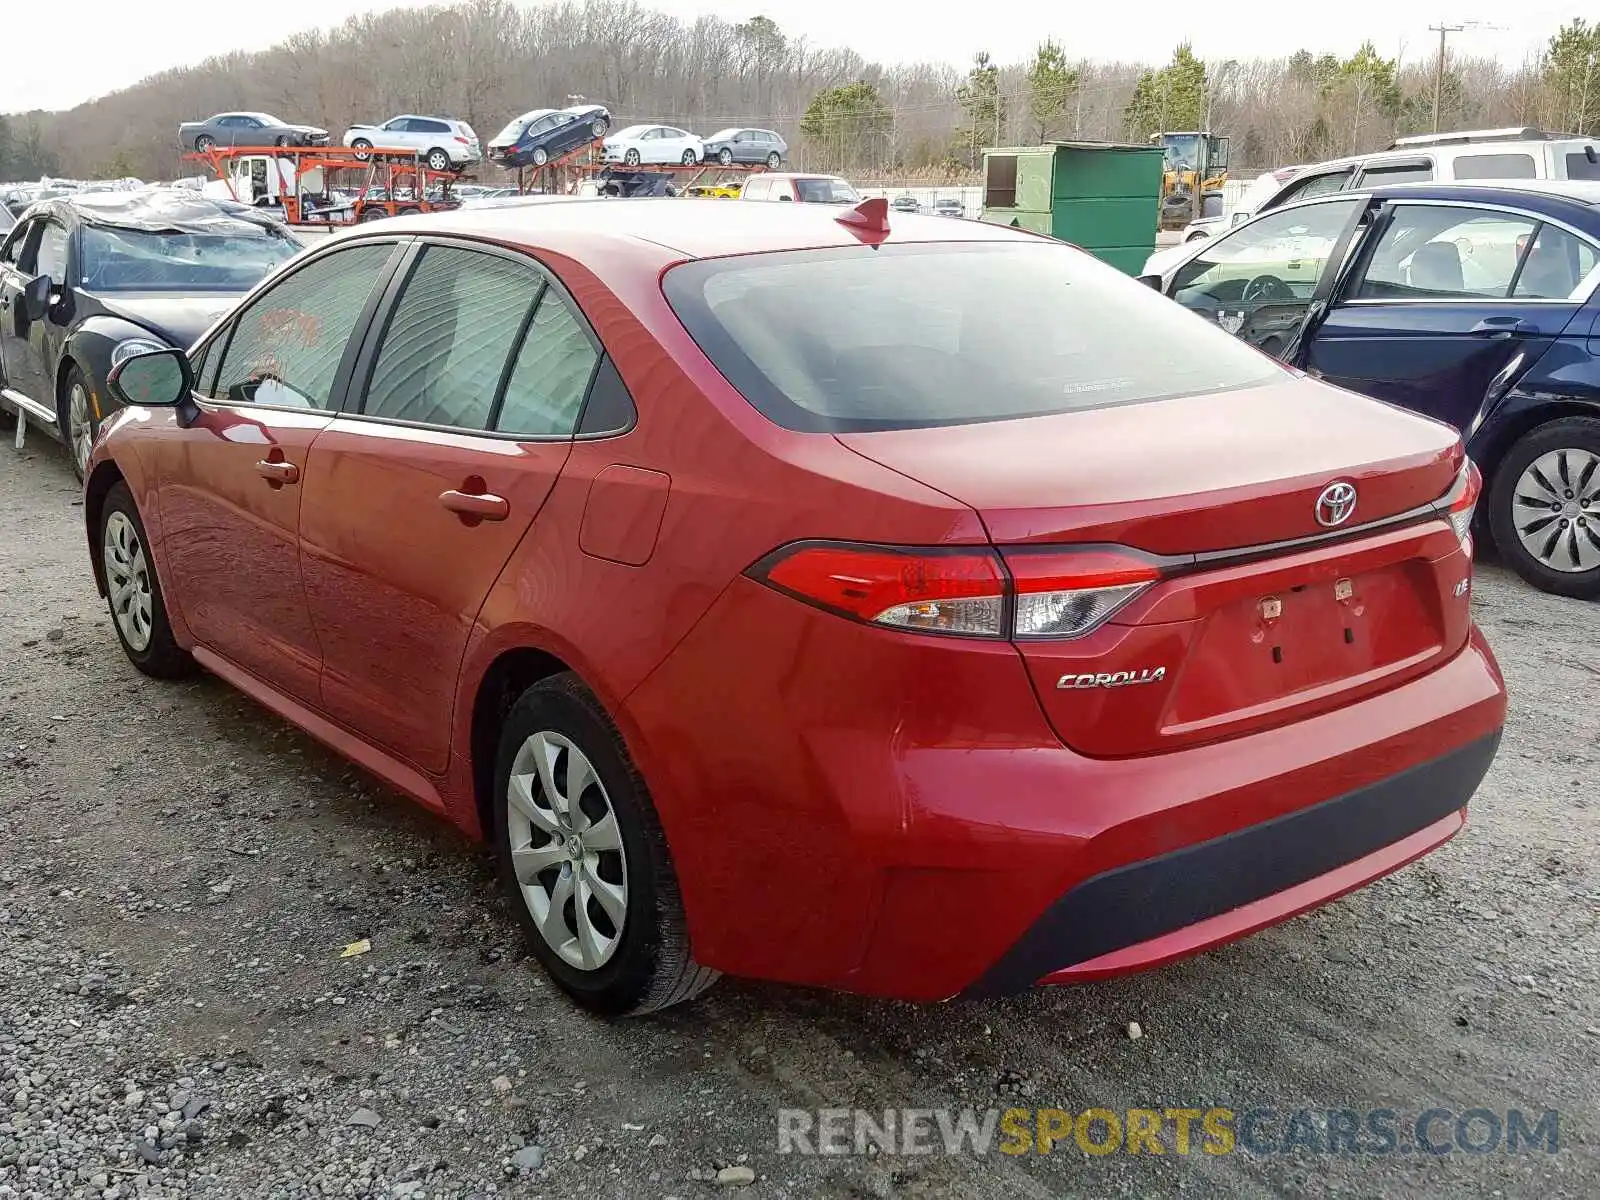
{"x":155,"y":379}
{"x":789,"y":198}
{"x":36,"y":297}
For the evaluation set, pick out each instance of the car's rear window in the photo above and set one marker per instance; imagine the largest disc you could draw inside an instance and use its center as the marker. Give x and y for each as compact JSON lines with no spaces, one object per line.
{"x":1581,"y":166}
{"x":904,"y":336}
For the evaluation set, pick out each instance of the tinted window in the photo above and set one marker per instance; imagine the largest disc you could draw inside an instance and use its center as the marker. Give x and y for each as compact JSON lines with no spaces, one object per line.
{"x":554,"y":366}
{"x":1556,"y":264}
{"x":429,"y":127}
{"x":51,"y":257}
{"x":826,"y":191}
{"x":1406,"y":172}
{"x":909,"y":335}
{"x":284,"y":350}
{"x":1445,"y":253}
{"x":1580,"y":166}
{"x":1495,"y":166}
{"x":1315,"y":185}
{"x":447,"y":343}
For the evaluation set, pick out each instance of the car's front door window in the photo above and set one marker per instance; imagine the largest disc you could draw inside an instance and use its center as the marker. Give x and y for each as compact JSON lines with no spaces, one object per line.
{"x":285,"y":349}
{"x":1276,"y":258}
{"x":452,"y":332}
{"x":1445,"y":252}
{"x":51,"y":257}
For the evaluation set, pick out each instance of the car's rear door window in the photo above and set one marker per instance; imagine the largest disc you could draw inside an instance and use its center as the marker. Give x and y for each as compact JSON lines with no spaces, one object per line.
{"x":1444,"y":252}
{"x":555,"y":363}
{"x":1408,"y":171}
{"x":918,"y":334}
{"x":284,"y":350}
{"x":1495,"y":166}
{"x":449,"y":338}
{"x":1555,"y":266}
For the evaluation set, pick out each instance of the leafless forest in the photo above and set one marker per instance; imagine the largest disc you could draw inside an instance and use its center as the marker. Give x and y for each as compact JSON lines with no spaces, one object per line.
{"x":488,"y":60}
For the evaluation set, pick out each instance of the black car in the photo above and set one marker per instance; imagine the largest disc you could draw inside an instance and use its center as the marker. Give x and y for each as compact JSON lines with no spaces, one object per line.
{"x":537,"y":137}
{"x":87,"y":280}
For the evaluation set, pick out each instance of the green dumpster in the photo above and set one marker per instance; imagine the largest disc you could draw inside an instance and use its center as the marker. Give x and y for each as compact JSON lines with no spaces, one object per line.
{"x":1102,"y":196}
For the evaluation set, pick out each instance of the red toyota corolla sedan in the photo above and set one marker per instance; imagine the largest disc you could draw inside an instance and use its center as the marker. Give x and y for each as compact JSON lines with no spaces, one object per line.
{"x":915,"y":607}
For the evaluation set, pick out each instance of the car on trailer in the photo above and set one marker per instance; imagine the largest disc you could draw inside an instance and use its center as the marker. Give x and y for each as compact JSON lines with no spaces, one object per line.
{"x":657,"y":144}
{"x":543,"y":135}
{"x":750,"y":146}
{"x":88,"y":280}
{"x":247,"y":129}
{"x":445,"y":143}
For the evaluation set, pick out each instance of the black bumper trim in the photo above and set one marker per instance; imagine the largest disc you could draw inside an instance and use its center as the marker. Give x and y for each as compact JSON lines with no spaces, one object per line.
{"x":1146,"y":899}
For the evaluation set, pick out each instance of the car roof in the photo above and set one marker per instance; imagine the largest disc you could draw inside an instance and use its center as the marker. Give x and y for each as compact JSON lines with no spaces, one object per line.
{"x":581,"y":226}
{"x":1575,"y":201}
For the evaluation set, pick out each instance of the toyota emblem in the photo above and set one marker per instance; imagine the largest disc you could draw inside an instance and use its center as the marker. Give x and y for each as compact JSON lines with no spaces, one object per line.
{"x":1337,"y":502}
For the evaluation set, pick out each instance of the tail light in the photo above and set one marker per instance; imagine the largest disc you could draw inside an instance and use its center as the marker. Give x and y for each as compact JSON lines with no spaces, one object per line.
{"x":1465,"y":500}
{"x":1065,"y":594}
{"x":1026,"y":594}
{"x":462,"y":140}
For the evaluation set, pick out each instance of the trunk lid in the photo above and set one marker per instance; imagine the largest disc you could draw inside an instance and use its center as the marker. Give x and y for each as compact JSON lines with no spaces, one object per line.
{"x":1240,"y":632}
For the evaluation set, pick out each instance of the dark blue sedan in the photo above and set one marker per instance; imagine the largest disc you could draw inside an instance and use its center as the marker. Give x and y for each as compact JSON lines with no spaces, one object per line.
{"x":545,"y":134}
{"x":1472,"y":303}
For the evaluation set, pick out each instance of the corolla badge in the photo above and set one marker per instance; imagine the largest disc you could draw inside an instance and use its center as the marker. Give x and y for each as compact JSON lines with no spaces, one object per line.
{"x":1337,"y":502}
{"x":1105,"y":679}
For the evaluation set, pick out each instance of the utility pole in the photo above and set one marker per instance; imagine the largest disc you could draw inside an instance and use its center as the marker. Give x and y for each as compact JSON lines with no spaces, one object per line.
{"x":1442,"y":30}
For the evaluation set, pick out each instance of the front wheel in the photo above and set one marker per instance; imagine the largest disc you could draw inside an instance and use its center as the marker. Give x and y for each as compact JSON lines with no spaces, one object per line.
{"x":79,"y":419}
{"x":631,"y":158}
{"x":583,"y":858}
{"x":1544,"y":507}
{"x":725,"y":157}
{"x":598,"y":127}
{"x":284,"y":140}
{"x":133,"y":593}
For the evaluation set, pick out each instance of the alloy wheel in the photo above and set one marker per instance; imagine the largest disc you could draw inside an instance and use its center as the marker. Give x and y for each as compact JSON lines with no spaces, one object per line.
{"x":80,"y":429}
{"x":566,"y":850}
{"x":1556,"y":510}
{"x":128,"y":581}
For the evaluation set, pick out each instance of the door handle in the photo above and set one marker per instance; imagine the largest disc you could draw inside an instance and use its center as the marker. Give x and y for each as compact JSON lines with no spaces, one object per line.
{"x":483,"y":506}
{"x":1503,"y":327}
{"x":277,"y":471}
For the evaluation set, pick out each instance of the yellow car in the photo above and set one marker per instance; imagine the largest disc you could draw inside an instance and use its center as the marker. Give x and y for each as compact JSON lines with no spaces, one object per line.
{"x":719,"y":191}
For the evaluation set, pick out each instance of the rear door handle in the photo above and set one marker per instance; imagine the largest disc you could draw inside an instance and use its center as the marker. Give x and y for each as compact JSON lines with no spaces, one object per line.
{"x":1503,"y":327}
{"x":482,"y":505}
{"x":277,"y":471}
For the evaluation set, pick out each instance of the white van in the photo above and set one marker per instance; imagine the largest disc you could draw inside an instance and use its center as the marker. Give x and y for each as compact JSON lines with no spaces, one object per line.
{"x":1467,"y":156}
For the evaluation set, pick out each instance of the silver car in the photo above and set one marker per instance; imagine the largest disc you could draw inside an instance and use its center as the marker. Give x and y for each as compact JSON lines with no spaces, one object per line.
{"x":729,"y":146}
{"x":247,"y":129}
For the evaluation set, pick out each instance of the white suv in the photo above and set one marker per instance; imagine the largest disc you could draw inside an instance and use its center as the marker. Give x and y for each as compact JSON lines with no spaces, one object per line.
{"x":445,"y":144}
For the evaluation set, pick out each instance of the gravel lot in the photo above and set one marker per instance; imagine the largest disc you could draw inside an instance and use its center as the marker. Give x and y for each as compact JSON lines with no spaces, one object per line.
{"x":180,"y":873}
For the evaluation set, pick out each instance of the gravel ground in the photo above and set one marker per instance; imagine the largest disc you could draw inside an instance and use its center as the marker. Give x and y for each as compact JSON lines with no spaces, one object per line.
{"x":181,"y":873}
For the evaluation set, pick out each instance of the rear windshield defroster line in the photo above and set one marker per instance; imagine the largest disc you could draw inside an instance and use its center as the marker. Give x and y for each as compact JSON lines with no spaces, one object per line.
{"x":860,"y":338}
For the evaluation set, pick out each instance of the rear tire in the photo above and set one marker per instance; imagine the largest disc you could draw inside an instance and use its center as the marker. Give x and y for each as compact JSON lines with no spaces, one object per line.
{"x":133,"y":592}
{"x":204,"y":143}
{"x":362,"y":148}
{"x":438,"y":160}
{"x":605,"y":841}
{"x":774,"y":161}
{"x":540,"y":156}
{"x":1544,"y":507}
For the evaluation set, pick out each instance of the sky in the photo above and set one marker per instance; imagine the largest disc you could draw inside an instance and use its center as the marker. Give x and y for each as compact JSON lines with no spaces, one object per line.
{"x":117,"y":44}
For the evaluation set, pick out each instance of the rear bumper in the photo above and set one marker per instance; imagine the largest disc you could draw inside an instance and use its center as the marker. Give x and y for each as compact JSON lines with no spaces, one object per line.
{"x":892,"y":815}
{"x":1160,"y":909}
